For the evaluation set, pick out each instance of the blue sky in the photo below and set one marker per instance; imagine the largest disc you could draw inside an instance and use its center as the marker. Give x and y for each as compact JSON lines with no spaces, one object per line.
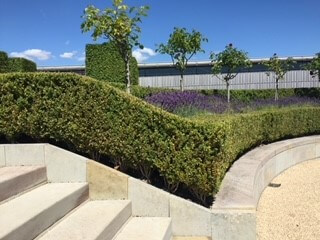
{"x":48,"y":31}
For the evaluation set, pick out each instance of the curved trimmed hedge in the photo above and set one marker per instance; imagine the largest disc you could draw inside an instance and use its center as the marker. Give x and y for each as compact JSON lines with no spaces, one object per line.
{"x":93,"y":116}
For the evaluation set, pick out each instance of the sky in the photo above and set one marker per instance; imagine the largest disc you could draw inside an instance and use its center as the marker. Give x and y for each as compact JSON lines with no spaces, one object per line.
{"x":48,"y":31}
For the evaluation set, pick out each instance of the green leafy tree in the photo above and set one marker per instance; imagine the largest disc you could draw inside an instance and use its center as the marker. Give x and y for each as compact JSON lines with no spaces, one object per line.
{"x":181,"y":47}
{"x":277,"y":68}
{"x":227,"y":64}
{"x":118,"y":24}
{"x":314,"y":66}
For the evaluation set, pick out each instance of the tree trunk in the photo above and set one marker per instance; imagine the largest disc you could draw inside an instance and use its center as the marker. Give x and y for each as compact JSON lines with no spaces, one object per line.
{"x":127,"y":62}
{"x":228,"y":90}
{"x":276,"y":96}
{"x":181,"y":83}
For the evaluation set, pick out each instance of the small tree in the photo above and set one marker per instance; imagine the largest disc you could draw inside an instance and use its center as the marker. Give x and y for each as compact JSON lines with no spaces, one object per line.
{"x":227,"y":64}
{"x":118,"y":24}
{"x":314,"y":66}
{"x":279,"y":68}
{"x":181,"y":47}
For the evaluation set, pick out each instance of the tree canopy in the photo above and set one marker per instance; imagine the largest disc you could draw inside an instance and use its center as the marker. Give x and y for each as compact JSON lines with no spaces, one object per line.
{"x":182,"y":46}
{"x":227,"y":64}
{"x":118,"y":24}
{"x":314,"y":66}
{"x":278,"y":68}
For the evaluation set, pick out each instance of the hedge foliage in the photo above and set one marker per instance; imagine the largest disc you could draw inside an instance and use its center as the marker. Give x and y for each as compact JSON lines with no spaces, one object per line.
{"x":236,"y":95}
{"x":103,"y":62}
{"x":15,"y":64}
{"x":141,"y":92}
{"x":308,"y":92}
{"x":3,"y":62}
{"x":21,"y":65}
{"x":93,"y":117}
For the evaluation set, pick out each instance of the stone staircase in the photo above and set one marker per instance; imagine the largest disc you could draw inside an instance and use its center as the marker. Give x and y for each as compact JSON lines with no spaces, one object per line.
{"x":49,"y":193}
{"x":32,"y":208}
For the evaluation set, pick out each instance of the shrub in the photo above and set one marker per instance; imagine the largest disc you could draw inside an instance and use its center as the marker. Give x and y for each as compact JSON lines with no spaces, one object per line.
{"x":15,"y":64}
{"x":103,"y":62}
{"x":141,"y":92}
{"x":3,"y":62}
{"x":21,"y":65}
{"x":245,"y":96}
{"x":308,"y":92}
{"x":189,"y":103}
{"x":251,"y":95}
{"x":92,"y":116}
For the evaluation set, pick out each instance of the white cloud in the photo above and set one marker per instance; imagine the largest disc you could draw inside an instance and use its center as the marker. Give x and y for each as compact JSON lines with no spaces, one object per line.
{"x":20,"y":55}
{"x":81,"y":59}
{"x":32,"y":54}
{"x":68,"y":55}
{"x":143,"y":54}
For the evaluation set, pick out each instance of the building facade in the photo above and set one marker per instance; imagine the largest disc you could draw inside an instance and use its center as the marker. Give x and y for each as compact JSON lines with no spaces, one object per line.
{"x":198,"y":76}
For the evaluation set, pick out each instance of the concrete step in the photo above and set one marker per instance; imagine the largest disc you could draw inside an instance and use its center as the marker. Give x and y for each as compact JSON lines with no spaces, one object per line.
{"x":26,"y":216}
{"x":15,"y":180}
{"x":191,"y":238}
{"x":94,"y":220}
{"x":146,"y":228}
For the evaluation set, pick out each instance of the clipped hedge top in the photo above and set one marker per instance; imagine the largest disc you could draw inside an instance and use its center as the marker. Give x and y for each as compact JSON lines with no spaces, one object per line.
{"x":15,"y":64}
{"x":21,"y":65}
{"x":94,"y":117}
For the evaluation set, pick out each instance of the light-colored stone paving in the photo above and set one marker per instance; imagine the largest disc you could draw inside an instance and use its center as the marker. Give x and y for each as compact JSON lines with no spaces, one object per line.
{"x":291,"y":211}
{"x":191,"y":238}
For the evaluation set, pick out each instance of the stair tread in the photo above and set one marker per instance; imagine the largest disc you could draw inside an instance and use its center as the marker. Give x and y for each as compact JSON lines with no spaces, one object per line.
{"x":15,"y":180}
{"x":146,"y":228}
{"x":7,"y":173}
{"x":191,"y":238}
{"x":22,"y":209}
{"x":91,"y":220}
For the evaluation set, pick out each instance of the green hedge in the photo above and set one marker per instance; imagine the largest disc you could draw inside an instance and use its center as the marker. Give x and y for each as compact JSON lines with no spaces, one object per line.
{"x":103,"y":62}
{"x":251,"y":95}
{"x":15,"y":64}
{"x":141,"y":92}
{"x":246,"y":131}
{"x":236,"y":95}
{"x":21,"y":65}
{"x":308,"y":92}
{"x":3,"y":62}
{"x":94,"y":117}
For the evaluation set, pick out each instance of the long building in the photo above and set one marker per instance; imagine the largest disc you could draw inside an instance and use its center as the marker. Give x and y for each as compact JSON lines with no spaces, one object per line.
{"x":198,"y":76}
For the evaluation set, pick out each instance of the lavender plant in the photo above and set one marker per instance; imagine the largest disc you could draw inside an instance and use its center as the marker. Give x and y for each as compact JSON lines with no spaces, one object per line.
{"x":190,"y":103}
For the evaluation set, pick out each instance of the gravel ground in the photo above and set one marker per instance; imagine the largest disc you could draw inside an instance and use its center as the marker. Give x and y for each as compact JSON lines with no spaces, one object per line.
{"x":291,"y":211}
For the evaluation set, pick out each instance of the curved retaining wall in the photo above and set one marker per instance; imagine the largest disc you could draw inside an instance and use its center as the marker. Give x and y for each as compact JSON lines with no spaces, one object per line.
{"x":234,"y":209}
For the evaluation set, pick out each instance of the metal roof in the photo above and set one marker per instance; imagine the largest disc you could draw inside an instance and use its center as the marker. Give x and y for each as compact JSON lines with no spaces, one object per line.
{"x":169,"y":64}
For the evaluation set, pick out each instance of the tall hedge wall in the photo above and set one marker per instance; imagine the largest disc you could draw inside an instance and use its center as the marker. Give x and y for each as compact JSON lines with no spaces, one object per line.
{"x":21,"y":65}
{"x":92,"y":116}
{"x":15,"y":64}
{"x":103,"y":62}
{"x":3,"y":62}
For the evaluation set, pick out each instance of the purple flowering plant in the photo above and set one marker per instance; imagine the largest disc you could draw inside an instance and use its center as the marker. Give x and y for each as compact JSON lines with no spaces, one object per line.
{"x":191,"y":103}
